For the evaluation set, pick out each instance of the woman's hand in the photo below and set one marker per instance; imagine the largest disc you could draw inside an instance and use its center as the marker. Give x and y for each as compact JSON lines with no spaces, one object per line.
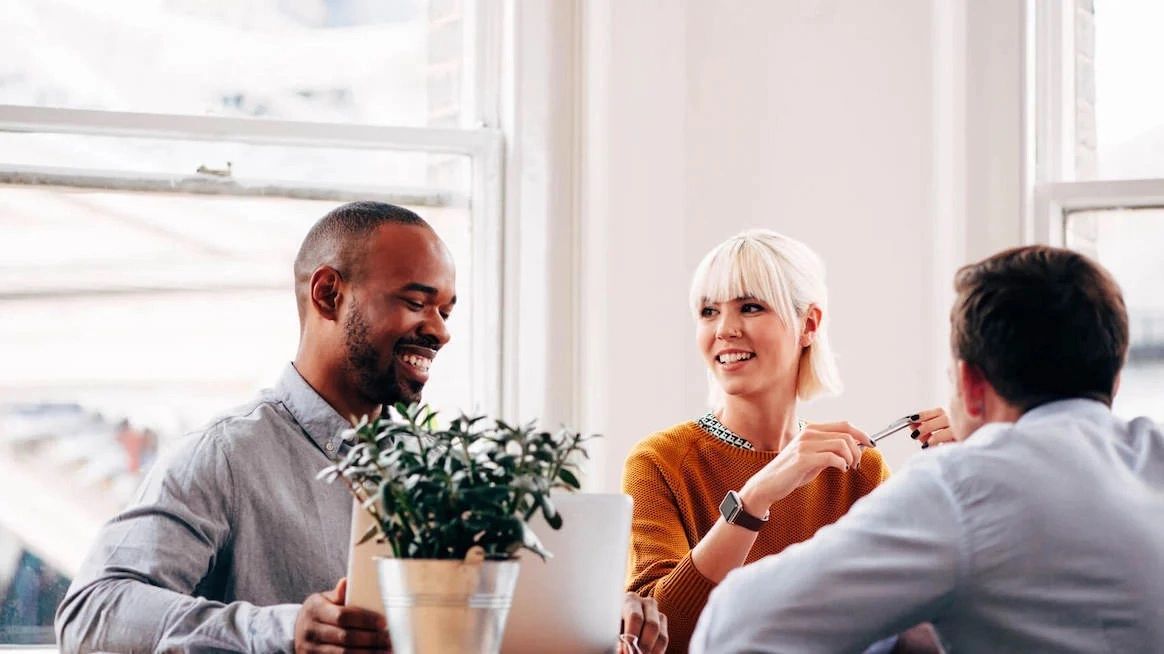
{"x":819,"y":446}
{"x":644,"y":627}
{"x":932,"y":428}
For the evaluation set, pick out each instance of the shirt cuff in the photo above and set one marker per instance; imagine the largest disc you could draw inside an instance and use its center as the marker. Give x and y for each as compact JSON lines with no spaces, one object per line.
{"x":280,"y":634}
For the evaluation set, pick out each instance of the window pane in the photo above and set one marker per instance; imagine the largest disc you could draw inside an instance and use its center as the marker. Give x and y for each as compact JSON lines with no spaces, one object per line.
{"x":1127,"y":243}
{"x":1129,"y":101}
{"x":401,"y":62}
{"x":127,"y":319}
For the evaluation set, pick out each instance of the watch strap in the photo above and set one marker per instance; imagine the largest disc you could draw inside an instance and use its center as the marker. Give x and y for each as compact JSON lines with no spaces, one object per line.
{"x":741,"y":517}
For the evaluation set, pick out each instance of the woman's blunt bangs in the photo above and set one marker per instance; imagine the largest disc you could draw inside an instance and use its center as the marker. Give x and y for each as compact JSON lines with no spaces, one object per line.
{"x":742,"y":267}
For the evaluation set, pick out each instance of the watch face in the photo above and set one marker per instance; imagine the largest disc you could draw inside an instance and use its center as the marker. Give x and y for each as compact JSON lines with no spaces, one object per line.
{"x":730,"y":506}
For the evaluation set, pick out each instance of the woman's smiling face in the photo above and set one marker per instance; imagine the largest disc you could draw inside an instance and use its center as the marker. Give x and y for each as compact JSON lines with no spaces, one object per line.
{"x":747,"y":347}
{"x":759,"y":299}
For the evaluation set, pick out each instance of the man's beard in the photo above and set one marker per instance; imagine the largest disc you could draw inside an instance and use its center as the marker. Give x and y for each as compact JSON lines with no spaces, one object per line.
{"x":380,"y":384}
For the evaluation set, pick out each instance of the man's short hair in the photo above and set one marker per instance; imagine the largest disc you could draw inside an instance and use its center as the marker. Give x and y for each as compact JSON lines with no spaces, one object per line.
{"x":338,"y":240}
{"x":1041,"y":324}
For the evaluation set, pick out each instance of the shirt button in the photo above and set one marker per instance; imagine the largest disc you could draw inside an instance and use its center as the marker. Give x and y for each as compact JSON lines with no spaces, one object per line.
{"x":329,"y":446}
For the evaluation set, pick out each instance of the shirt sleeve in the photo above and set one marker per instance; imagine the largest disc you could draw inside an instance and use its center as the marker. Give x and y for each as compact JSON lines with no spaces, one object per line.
{"x":138,"y":588}
{"x":893,"y":561}
{"x":661,"y":564}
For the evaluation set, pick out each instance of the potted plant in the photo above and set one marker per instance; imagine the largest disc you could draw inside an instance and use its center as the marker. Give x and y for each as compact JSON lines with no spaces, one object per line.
{"x":452,"y":503}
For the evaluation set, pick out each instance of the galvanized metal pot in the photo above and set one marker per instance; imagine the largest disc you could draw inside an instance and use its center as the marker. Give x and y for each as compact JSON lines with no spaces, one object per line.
{"x":445,"y":606}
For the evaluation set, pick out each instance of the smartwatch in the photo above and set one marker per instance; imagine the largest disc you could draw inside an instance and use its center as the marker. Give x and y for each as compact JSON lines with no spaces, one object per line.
{"x":732,"y":509}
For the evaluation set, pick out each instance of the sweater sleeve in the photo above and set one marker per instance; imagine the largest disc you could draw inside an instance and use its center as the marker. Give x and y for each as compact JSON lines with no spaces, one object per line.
{"x":660,"y":557}
{"x":872,"y":473}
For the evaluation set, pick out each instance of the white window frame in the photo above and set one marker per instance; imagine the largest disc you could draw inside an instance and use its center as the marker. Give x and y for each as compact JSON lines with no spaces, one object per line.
{"x":1056,"y":201}
{"x":1054,"y":196}
{"x":483,"y":146}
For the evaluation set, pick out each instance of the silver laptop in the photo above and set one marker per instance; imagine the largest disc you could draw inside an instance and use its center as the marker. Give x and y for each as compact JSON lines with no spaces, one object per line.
{"x":569,"y":604}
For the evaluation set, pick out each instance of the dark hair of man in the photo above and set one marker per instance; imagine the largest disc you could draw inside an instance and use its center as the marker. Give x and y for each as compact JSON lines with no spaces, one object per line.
{"x":338,"y":240}
{"x":1041,"y":324}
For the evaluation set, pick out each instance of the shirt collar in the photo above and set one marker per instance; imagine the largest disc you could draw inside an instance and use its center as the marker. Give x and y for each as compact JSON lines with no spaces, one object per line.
{"x":1081,"y":407}
{"x":314,"y":415}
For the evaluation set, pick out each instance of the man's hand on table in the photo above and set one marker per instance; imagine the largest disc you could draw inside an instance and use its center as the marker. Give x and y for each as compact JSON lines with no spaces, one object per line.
{"x":326,"y":626}
{"x":644,"y":629}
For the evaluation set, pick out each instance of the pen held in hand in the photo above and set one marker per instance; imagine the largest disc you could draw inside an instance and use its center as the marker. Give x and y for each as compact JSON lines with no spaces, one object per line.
{"x":893,"y":428}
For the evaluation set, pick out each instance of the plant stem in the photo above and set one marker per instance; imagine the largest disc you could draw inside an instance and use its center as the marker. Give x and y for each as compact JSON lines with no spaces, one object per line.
{"x":361,"y":497}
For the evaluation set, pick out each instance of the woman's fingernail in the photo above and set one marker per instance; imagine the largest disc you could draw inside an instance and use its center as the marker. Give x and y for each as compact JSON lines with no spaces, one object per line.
{"x":915,"y":434}
{"x":915,"y":417}
{"x":925,"y":445}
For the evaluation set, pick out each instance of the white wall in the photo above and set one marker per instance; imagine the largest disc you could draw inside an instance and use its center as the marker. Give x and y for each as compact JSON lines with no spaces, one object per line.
{"x":835,"y":122}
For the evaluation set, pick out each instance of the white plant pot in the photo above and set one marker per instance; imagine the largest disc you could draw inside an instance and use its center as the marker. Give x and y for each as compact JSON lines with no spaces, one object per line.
{"x":445,"y":606}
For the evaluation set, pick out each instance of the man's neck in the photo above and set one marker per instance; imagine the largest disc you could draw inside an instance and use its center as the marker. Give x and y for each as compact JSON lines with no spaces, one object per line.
{"x":768,"y":424}
{"x":325,"y":381}
{"x":999,"y":410}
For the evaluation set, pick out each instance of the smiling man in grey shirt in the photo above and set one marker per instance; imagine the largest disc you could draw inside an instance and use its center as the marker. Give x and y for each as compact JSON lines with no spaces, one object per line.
{"x":1040,"y":533}
{"x":232,"y":532}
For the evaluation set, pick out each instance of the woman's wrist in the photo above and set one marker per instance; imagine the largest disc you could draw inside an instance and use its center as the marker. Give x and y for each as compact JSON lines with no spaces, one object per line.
{"x":754,"y":501}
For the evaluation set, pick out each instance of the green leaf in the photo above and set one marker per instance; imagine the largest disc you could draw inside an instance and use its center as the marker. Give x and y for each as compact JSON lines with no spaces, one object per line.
{"x":369,"y":534}
{"x":553,"y":518}
{"x":531,"y":542}
{"x":565,"y":475}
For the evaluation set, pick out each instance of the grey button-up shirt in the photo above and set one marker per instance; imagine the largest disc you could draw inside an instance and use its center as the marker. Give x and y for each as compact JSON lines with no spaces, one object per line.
{"x":1040,"y":536}
{"x":227,"y":536}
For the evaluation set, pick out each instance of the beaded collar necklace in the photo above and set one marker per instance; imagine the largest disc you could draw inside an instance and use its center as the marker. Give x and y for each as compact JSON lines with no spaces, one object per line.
{"x":711,"y":424}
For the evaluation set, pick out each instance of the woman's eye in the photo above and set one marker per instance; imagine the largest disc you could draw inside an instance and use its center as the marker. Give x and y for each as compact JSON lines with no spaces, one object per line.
{"x":751,"y":307}
{"x":707,"y":312}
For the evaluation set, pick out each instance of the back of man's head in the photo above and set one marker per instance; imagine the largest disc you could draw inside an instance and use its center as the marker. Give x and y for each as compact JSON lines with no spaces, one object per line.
{"x":1041,"y":324}
{"x":338,"y":241}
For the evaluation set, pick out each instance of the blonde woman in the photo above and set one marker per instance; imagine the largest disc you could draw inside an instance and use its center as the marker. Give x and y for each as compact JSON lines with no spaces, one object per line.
{"x":750,"y":477}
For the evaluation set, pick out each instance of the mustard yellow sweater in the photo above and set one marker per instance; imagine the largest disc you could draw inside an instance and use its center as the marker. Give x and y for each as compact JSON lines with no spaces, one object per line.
{"x":678,"y":477}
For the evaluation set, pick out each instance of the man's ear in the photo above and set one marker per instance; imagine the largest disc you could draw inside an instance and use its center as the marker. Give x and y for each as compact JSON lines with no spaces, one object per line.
{"x":972,"y":387}
{"x":326,"y":292}
{"x":812,"y":318}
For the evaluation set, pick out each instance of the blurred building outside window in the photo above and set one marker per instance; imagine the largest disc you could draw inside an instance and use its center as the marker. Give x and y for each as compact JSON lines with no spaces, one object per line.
{"x":1099,"y":163}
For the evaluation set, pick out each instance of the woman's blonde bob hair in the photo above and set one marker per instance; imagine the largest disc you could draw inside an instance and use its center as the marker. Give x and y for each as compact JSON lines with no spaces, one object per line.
{"x":787,"y":276}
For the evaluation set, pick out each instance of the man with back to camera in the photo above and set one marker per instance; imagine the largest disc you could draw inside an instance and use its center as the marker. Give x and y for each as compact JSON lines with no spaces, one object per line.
{"x":232,"y":532}
{"x":1041,"y":533}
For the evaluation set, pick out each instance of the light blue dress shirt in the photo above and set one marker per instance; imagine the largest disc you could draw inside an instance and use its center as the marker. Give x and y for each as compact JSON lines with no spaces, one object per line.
{"x":226,"y":537}
{"x":1045,"y":535}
